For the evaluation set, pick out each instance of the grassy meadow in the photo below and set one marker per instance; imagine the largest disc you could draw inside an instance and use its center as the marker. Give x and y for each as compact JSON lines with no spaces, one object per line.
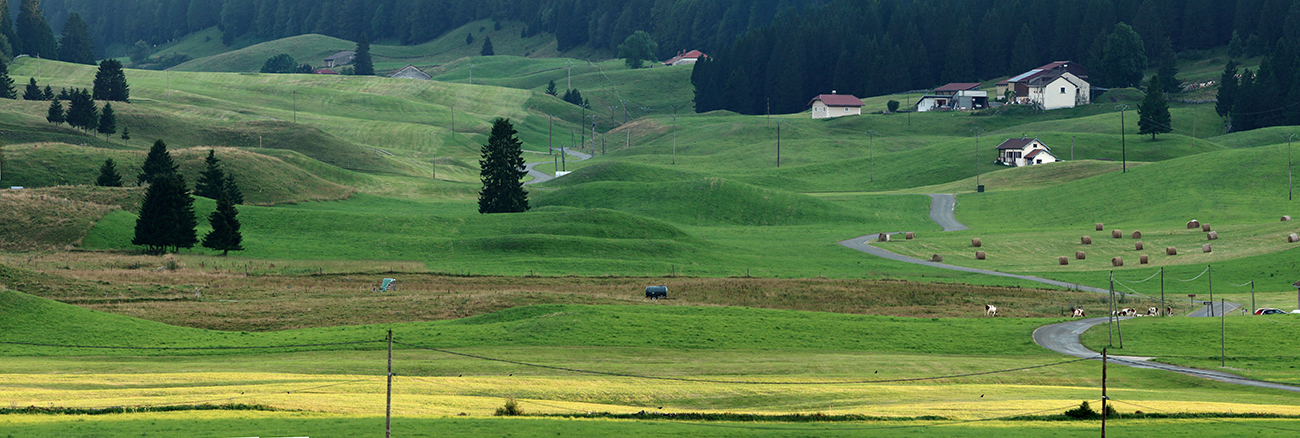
{"x":353,"y":179}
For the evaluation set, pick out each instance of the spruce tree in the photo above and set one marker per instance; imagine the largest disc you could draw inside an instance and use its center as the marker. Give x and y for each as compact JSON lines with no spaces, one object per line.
{"x":7,"y":90}
{"x":108,"y":176}
{"x":487,"y":47}
{"x":81,"y":111}
{"x":232,"y":190}
{"x":7,"y":29}
{"x":126,"y":134}
{"x":49,"y":93}
{"x":75,"y":45}
{"x":110,"y":82}
{"x":1153,"y":113}
{"x":55,"y":114}
{"x":166,"y":217}
{"x":33,"y":91}
{"x":107,"y":121}
{"x":1227,"y":90}
{"x":225,"y":235}
{"x":212,"y":179}
{"x":1169,"y":68}
{"x":550,"y":88}
{"x":363,"y":65}
{"x":157,"y":163}
{"x":35,"y":34}
{"x":501,"y":171}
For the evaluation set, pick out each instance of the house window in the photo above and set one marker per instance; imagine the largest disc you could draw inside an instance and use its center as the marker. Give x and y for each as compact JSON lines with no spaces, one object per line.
{"x":1062,"y":90}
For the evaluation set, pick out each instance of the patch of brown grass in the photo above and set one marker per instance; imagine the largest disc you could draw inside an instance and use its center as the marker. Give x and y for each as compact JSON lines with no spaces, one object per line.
{"x":34,"y":220}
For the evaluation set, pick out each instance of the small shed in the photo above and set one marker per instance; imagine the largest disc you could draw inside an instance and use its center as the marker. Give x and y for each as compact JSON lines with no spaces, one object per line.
{"x":825,"y":106}
{"x":339,"y":59}
{"x":656,"y":292}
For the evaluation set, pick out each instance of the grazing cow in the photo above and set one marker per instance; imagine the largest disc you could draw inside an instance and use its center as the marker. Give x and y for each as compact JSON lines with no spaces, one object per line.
{"x":1152,"y":311}
{"x":1078,"y":313}
{"x":1169,"y":311}
{"x":990,"y":310}
{"x":1125,"y":312}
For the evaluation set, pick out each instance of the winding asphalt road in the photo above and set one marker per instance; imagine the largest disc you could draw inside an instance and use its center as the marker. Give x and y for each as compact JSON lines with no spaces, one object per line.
{"x":1064,"y":338}
{"x":539,"y":176}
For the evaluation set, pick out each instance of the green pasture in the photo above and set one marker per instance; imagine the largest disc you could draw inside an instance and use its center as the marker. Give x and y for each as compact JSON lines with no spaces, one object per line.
{"x":1260,"y":347}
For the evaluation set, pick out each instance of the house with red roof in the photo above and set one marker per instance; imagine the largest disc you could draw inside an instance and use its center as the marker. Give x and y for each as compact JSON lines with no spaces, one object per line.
{"x":1061,"y":84}
{"x":955,"y":96}
{"x":1019,"y":152}
{"x":826,"y":106}
{"x":684,"y":57}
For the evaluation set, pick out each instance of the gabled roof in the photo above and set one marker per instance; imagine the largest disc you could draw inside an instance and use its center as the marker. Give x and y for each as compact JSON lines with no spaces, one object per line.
{"x":1047,"y":78}
{"x":411,"y":72}
{"x":1034,"y":153}
{"x":1017,"y":143}
{"x":694,"y":54}
{"x":341,"y":55}
{"x":958,"y":86}
{"x":837,"y":100}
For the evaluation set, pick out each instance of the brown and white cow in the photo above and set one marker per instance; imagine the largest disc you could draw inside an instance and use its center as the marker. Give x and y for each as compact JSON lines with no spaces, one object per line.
{"x":990,"y":310}
{"x":1169,"y":311}
{"x":1152,"y":311}
{"x":1078,"y":313}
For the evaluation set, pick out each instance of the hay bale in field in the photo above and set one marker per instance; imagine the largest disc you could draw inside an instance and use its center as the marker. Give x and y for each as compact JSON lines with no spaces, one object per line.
{"x":1193,"y":224}
{"x":1116,"y":234}
{"x":1206,"y":248}
{"x":1137,"y":234}
{"x":979,"y":255}
{"x":1144,"y":259}
{"x":1171,"y":251}
{"x":1117,"y":261}
{"x":1100,"y":226}
{"x":883,"y":237}
{"x":1286,"y":218}
{"x":1212,"y":235}
{"x":976,"y":242}
{"x":910,"y":235}
{"x":1080,"y":255}
{"x":1205,"y":228}
{"x":1063,"y":260}
{"x":1085,"y":240}
{"x":1138,"y":246}
{"x":1293,"y":238}
{"x":936,"y":258}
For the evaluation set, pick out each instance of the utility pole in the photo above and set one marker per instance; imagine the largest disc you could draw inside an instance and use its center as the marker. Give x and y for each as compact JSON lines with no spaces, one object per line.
{"x":1103,"y":392}
{"x":1209,"y":271}
{"x":1223,"y":335}
{"x":550,"y":124}
{"x":1288,"y":170}
{"x":1122,"y":142}
{"x":1071,"y":148}
{"x":1252,"y":297}
{"x":295,"y":106}
{"x":778,"y":143}
{"x":977,"y":130}
{"x":1110,"y":314}
{"x":583,"y":128}
{"x":388,"y":409}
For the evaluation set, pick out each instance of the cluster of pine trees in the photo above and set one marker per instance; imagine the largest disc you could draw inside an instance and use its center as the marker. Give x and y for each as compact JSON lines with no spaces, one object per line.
{"x":871,"y":48}
{"x":30,"y":34}
{"x":166,"y":221}
{"x":1265,"y":97}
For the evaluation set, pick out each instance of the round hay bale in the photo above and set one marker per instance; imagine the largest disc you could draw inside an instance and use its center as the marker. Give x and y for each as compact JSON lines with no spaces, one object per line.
{"x":1116,"y":234}
{"x":1085,"y":240}
{"x":1193,"y":224}
{"x":1100,"y":226}
{"x":1171,"y":251}
{"x":883,"y":237}
{"x":1137,"y":246}
{"x":1293,"y":238}
{"x":1206,"y":248}
{"x":1212,"y":235}
{"x":1117,"y":261}
{"x":910,"y":235}
{"x":1144,"y":259}
{"x":1063,"y":260}
{"x":1080,"y":255}
{"x":1286,"y":218}
{"x":976,"y":242}
{"x":1205,"y":228}
{"x":979,"y":255}
{"x":1137,"y":234}
{"x":936,"y":258}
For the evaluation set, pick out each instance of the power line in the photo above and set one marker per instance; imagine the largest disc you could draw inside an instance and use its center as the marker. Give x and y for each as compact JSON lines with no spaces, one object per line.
{"x":734,"y":382}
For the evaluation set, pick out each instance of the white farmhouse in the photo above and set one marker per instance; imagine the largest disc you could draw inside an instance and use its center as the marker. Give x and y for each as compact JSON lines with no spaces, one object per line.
{"x":826,"y":106}
{"x":1018,"y":152}
{"x":1061,"y":84}
{"x":955,"y":96}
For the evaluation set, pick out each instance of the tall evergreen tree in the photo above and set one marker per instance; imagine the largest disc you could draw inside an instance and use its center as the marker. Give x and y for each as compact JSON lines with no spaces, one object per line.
{"x":35,"y":34}
{"x":126,"y":134}
{"x":225,"y":235}
{"x":502,"y":170}
{"x":157,"y":164}
{"x":33,"y":91}
{"x":212,"y":179}
{"x":107,"y":121}
{"x":48,"y":92}
{"x":232,"y":190}
{"x":108,"y":176}
{"x":7,"y":90}
{"x":1169,"y":68}
{"x":1124,"y":58}
{"x":81,"y":110}
{"x":55,"y":113}
{"x":1153,"y":113}
{"x":486,"y":50}
{"x":110,"y":82}
{"x":363,"y":65}
{"x":1227,"y":90}
{"x":7,"y":29}
{"x":166,"y":219}
{"x":75,"y":45}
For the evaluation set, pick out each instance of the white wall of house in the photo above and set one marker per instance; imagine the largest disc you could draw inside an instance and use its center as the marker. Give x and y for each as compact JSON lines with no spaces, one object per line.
{"x":1060,"y":93}
{"x":1042,"y":158}
{"x":821,"y":111}
{"x":931,"y":103}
